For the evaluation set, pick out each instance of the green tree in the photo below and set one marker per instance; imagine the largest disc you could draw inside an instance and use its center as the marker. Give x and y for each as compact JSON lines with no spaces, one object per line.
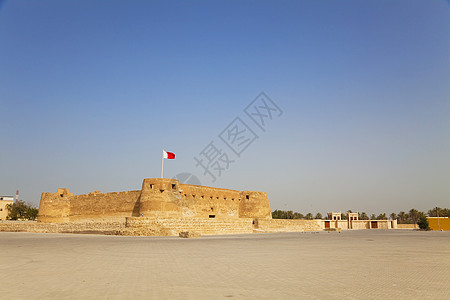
{"x":402,"y":218}
{"x":373,"y":217}
{"x":309,"y":216}
{"x":275,"y":214}
{"x":289,"y":214}
{"x":298,"y":215}
{"x":393,"y":216}
{"x":382,"y":216}
{"x":363,"y":216}
{"x":414,"y":215}
{"x":423,"y":222}
{"x":279,"y":214}
{"x":439,"y":212}
{"x":21,"y":210}
{"x":318,"y":216}
{"x":32,"y":213}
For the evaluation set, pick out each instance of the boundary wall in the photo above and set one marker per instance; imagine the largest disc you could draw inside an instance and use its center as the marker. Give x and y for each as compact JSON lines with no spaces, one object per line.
{"x":407,"y":226}
{"x":149,"y":226}
{"x":287,"y":225}
{"x":173,"y":226}
{"x":359,"y":224}
{"x":86,"y":227}
{"x":440,"y":223}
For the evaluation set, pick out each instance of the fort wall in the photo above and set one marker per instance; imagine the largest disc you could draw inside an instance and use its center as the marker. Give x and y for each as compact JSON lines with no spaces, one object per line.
{"x":173,"y":226}
{"x":287,"y":225}
{"x":254,"y":205}
{"x":211,"y":202}
{"x":72,"y":227}
{"x":407,"y":226}
{"x":105,"y":207}
{"x":158,"y":198}
{"x":55,"y":208}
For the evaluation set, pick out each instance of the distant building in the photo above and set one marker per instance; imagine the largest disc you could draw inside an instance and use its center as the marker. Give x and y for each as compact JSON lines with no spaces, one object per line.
{"x":352,"y":216}
{"x":5,"y":200}
{"x":336,"y":216}
{"x":353,"y":222}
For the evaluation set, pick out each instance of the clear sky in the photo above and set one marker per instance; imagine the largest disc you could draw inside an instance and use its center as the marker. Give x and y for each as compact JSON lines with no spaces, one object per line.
{"x":91,"y":92}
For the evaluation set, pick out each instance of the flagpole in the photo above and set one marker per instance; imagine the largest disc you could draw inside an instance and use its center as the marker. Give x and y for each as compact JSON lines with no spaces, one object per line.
{"x":162,"y":165}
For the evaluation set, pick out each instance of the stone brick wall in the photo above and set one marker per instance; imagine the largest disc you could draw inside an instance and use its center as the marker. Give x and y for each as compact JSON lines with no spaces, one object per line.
{"x":173,"y":226}
{"x":55,"y":207}
{"x":287,"y":225}
{"x":85,"y":227}
{"x":254,"y":205}
{"x":104,"y":206}
{"x":206,"y":201}
{"x":407,"y":226}
{"x":360,"y":224}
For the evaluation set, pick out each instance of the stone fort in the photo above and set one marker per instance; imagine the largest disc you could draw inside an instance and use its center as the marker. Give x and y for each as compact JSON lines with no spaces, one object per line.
{"x":160,"y":201}
{"x":166,"y":207}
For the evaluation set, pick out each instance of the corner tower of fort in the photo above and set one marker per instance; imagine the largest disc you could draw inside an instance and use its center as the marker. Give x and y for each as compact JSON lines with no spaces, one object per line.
{"x":158,"y":198}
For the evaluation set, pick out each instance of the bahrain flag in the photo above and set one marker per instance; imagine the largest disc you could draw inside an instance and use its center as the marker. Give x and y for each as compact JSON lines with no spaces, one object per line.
{"x":168,"y":155}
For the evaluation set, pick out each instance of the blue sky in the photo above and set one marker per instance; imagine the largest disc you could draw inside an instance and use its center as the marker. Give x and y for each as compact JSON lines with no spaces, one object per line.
{"x":92,"y":91}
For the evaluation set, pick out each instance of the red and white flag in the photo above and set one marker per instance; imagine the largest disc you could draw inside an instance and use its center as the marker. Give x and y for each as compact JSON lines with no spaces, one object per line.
{"x":168,"y":155}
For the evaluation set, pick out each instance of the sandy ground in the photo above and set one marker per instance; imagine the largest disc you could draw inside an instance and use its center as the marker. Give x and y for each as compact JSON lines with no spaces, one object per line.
{"x":362,"y":264}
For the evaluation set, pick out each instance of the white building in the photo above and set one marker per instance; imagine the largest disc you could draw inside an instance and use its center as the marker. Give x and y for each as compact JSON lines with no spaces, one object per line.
{"x":5,"y":200}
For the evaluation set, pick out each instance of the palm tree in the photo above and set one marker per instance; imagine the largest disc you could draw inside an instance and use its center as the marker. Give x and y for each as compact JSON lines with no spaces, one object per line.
{"x":421,"y":214}
{"x":382,"y":216}
{"x":402,"y":217}
{"x":438,"y":212}
{"x":289,"y":214}
{"x":363,"y":216}
{"x":298,"y":215}
{"x":393,"y":216}
{"x":414,"y":215}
